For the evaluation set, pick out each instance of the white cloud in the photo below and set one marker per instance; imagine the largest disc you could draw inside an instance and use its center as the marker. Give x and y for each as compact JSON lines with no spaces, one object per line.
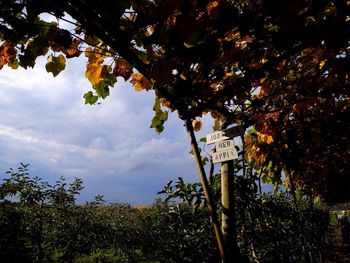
{"x":110,"y":146}
{"x":98,"y":143}
{"x":55,"y":158}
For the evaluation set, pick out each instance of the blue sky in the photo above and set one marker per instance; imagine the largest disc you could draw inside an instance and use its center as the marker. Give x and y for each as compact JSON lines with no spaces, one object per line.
{"x":45,"y":123}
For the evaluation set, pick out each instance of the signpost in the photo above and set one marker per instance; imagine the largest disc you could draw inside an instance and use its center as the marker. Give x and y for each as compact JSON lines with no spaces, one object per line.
{"x":225,"y":148}
{"x":225,"y":151}
{"x":224,"y":156}
{"x":224,"y":145}
{"x":216,"y":137}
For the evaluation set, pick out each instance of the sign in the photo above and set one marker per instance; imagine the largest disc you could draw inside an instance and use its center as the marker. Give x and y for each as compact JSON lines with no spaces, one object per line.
{"x":224,"y":145}
{"x":216,"y":137}
{"x":224,"y":156}
{"x":233,"y":131}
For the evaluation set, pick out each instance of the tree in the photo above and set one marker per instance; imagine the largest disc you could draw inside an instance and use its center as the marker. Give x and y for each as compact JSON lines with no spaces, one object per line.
{"x":279,"y":68}
{"x":26,"y":217}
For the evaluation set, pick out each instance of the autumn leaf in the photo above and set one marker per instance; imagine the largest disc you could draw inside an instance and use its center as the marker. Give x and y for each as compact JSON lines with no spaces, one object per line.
{"x":58,"y":38}
{"x":95,"y":70}
{"x":171,"y":21}
{"x":93,"y":56}
{"x":216,"y":115}
{"x":140,"y":82}
{"x":13,"y":65}
{"x":91,"y":40}
{"x":216,"y":126}
{"x":212,"y":8}
{"x":7,"y":53}
{"x":148,"y":30}
{"x":165,"y":102}
{"x":37,"y":46}
{"x":260,"y":159}
{"x":322,"y":63}
{"x":55,"y":64}
{"x":95,"y":73}
{"x":2,"y":62}
{"x":265,"y":138}
{"x":73,"y":50}
{"x":123,"y":69}
{"x":197,"y":125}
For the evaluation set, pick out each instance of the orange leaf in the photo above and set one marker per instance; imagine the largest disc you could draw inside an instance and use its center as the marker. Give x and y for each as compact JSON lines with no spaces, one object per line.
{"x":265,"y":138}
{"x":94,"y":58}
{"x":123,"y":69}
{"x":165,"y":102}
{"x":95,"y":73}
{"x":197,"y":125}
{"x":2,"y":62}
{"x":140,"y":82}
{"x":7,"y":53}
{"x":260,"y":159}
{"x":73,"y":50}
{"x":211,"y":7}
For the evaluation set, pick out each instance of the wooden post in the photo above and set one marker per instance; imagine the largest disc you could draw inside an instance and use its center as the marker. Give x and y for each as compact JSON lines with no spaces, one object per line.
{"x":207,"y":192}
{"x":228,"y":221}
{"x":228,"y":226}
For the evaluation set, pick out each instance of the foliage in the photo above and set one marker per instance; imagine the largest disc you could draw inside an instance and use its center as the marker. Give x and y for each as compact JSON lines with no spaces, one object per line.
{"x":191,"y":194}
{"x":58,"y":230}
{"x":273,"y":219}
{"x":282,"y":68}
{"x":62,"y":231}
{"x":13,"y":239}
{"x":103,"y":256}
{"x":178,"y":233}
{"x":268,"y":227}
{"x":29,"y":217}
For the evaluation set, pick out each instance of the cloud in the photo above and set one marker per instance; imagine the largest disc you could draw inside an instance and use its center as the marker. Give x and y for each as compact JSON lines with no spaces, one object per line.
{"x":110,"y":146}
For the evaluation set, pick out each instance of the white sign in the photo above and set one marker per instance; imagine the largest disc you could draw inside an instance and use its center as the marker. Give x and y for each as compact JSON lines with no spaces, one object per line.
{"x":224,"y":145}
{"x":224,"y":156}
{"x":216,"y":137}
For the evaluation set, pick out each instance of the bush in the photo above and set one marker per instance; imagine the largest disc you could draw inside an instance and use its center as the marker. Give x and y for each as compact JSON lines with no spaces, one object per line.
{"x":41,"y":223}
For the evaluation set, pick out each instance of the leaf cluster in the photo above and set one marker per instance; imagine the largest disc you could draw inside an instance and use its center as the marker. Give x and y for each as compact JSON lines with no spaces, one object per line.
{"x":282,"y":68}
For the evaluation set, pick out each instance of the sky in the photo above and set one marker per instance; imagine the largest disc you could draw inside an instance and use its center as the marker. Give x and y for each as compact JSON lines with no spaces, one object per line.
{"x":45,"y":123}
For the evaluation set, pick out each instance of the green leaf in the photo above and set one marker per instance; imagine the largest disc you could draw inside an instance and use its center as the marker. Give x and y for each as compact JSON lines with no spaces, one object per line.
{"x":90,"y":98}
{"x":203,"y":139}
{"x":38,"y":46}
{"x":55,"y":64}
{"x":110,"y":79}
{"x":102,"y":89}
{"x":14,"y":64}
{"x":159,"y":118}
{"x":91,"y":40}
{"x":157,"y":125}
{"x":27,"y":60}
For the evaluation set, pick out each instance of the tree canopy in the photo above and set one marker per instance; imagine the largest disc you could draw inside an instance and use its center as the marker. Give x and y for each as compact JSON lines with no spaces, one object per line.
{"x":280,"y":68}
